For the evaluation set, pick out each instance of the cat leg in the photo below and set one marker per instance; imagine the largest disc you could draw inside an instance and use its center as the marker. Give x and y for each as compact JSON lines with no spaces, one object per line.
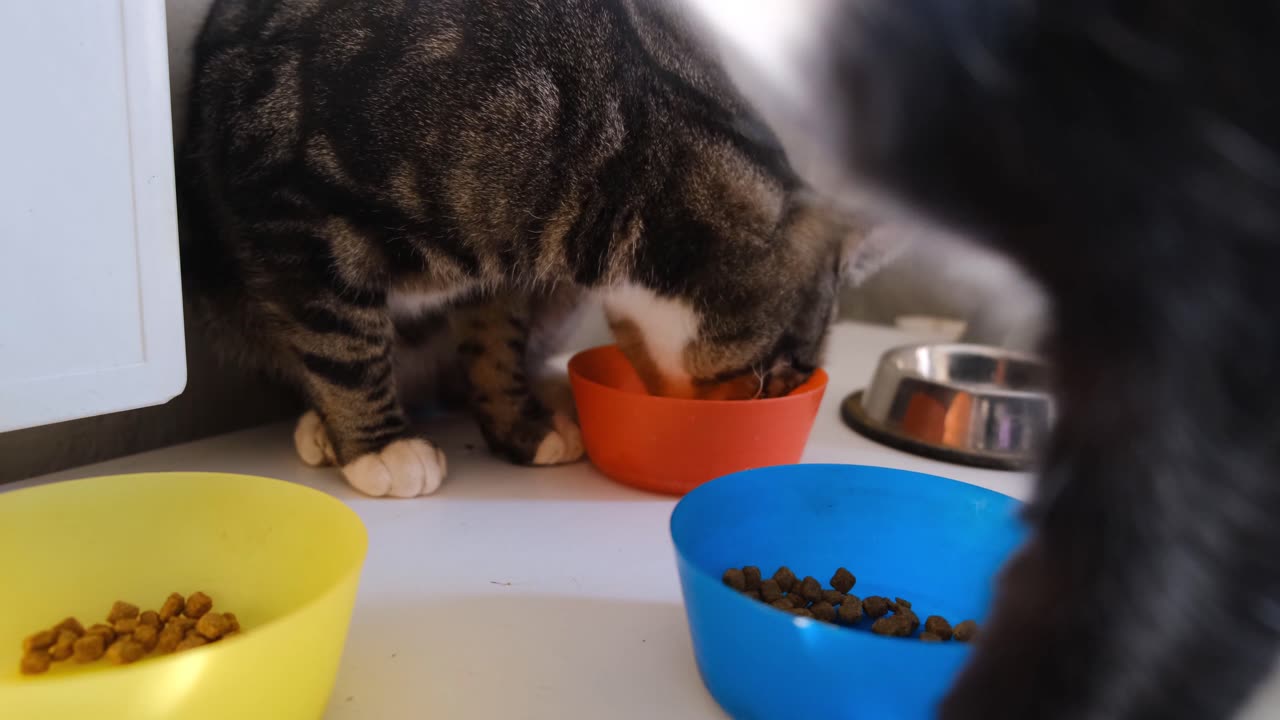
{"x":502,"y":342}
{"x":358,"y":421}
{"x":332,"y":333}
{"x":352,"y":385}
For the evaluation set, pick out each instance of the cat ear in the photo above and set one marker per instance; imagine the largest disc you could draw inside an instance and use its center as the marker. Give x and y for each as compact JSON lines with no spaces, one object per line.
{"x":867,"y":251}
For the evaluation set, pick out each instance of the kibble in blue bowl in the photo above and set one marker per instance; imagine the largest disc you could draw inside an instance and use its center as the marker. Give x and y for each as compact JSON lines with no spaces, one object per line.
{"x":933,"y":541}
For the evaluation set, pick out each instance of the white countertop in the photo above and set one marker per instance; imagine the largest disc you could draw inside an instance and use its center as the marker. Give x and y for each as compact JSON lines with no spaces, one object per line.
{"x":522,"y":593}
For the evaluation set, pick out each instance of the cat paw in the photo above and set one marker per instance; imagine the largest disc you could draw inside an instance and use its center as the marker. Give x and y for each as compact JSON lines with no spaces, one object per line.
{"x":563,"y":444}
{"x":311,"y":440}
{"x":405,"y":468}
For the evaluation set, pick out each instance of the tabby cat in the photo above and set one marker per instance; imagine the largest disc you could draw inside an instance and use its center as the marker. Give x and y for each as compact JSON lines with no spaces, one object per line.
{"x":354,"y":166}
{"x":1127,"y":154}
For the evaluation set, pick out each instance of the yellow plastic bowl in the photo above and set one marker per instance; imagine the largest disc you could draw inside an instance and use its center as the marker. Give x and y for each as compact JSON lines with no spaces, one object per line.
{"x":284,"y":558}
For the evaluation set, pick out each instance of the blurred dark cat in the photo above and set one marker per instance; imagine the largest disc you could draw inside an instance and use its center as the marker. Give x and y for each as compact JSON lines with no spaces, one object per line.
{"x":354,"y":166}
{"x":1127,"y":154}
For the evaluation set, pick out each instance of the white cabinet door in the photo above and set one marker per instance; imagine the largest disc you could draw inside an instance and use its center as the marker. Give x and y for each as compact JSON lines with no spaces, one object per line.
{"x":90,"y":298}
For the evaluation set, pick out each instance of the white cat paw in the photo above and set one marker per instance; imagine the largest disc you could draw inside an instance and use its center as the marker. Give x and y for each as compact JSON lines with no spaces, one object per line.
{"x":311,"y":440}
{"x":404,"y":469}
{"x":561,"y":445}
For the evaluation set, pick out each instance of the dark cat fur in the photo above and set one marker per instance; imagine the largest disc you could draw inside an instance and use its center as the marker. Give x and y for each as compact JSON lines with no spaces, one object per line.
{"x":1128,"y":155}
{"x":351,"y":158}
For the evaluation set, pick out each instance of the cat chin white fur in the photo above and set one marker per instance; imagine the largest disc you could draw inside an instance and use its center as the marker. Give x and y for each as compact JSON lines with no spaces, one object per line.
{"x":667,"y":326}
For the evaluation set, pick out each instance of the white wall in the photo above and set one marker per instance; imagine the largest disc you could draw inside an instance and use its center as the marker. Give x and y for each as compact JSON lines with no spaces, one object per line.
{"x":184,"y":20}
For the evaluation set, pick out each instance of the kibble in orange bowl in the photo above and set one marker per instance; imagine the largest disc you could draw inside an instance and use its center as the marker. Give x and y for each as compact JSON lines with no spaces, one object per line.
{"x":282,"y":560}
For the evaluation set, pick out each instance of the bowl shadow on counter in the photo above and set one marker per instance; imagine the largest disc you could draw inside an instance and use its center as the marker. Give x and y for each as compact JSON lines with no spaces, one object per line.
{"x":529,"y":657}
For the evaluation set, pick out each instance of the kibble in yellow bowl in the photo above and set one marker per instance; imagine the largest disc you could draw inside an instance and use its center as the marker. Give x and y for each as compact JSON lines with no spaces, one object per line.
{"x":285,"y":558}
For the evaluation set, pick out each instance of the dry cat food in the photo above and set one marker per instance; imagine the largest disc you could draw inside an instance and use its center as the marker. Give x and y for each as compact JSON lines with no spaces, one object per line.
{"x":806,"y":597}
{"x":129,"y":635}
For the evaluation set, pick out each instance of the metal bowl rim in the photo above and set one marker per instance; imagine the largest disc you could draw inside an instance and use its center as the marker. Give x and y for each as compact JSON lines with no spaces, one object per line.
{"x":990,"y":391}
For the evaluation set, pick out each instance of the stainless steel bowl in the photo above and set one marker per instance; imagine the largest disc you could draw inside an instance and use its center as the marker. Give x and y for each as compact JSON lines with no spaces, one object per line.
{"x":968,"y":404}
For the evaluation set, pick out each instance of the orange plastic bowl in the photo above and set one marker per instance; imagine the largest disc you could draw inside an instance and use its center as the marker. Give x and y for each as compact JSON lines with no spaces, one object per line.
{"x":671,"y":445}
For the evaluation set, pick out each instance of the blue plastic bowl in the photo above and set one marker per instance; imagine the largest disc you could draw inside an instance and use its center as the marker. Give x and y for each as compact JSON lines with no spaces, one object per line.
{"x":933,"y":541}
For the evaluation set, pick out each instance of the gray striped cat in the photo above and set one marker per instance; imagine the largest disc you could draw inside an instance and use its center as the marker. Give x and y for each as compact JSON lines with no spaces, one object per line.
{"x":354,"y":167}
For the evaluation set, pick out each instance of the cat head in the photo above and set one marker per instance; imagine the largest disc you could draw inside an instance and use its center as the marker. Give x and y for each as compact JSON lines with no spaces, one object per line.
{"x":751,"y":318}
{"x":736,"y":263}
